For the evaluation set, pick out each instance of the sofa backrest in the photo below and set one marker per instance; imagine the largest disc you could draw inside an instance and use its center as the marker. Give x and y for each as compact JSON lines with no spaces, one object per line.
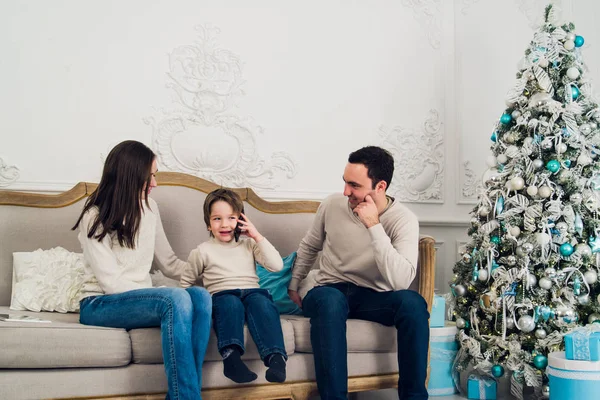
{"x":32,"y":221}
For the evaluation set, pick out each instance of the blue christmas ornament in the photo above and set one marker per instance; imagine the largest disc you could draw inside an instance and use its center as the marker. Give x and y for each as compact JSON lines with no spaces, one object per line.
{"x":495,"y":239}
{"x":579,"y":41}
{"x":594,"y":244}
{"x":494,"y":137}
{"x":566,"y":249}
{"x":575,"y":92}
{"x":500,"y":205}
{"x":576,"y":286}
{"x":475,"y":272}
{"x":546,"y":312}
{"x":505,"y":119}
{"x":540,"y":361}
{"x":553,"y":166}
{"x":497,"y":371}
{"x":567,"y":163}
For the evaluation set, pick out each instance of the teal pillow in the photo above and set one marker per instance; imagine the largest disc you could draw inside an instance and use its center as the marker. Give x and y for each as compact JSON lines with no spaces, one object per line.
{"x":277,"y":284}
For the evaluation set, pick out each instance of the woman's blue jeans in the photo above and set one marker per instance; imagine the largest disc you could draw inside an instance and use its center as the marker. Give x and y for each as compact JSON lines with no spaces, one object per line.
{"x":254,"y":306}
{"x":184,"y":317}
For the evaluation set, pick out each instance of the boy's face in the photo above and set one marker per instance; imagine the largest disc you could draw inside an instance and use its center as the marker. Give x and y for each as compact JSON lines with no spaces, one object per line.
{"x":223,"y":221}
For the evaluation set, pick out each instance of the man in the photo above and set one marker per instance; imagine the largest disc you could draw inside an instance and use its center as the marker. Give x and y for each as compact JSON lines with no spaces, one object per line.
{"x":369,"y":244}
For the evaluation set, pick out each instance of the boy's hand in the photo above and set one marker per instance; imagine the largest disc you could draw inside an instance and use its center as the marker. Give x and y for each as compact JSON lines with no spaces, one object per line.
{"x":295,"y":297}
{"x":249,"y":229}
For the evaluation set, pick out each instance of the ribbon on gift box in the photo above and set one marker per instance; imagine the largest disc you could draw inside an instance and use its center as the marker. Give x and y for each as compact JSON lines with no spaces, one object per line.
{"x":484,"y":383}
{"x":581,"y":340}
{"x":443,"y":355}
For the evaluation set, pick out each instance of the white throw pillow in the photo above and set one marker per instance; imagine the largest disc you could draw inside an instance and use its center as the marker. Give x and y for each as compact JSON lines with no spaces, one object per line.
{"x":47,"y":280}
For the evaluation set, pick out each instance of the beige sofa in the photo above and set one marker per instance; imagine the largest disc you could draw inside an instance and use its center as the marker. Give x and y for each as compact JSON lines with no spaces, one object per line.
{"x":64,"y":359}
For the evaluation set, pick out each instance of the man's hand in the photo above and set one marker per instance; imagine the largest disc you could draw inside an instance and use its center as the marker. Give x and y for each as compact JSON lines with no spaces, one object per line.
{"x":295,"y":297}
{"x":367,"y":212}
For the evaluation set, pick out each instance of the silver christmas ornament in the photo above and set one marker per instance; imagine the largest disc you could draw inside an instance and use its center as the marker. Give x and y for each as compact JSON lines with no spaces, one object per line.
{"x":460,"y":323}
{"x":540,"y":333}
{"x":511,"y":260}
{"x":545,"y":283}
{"x":583,"y":249}
{"x":510,"y":324}
{"x":546,"y":391}
{"x":460,"y":290}
{"x":515,"y":114}
{"x":593,"y":317}
{"x":527,"y":247}
{"x":549,"y":271}
{"x":586,"y":129}
{"x":531,"y":280}
{"x":526,"y":323}
{"x":590,"y":276}
{"x":483,"y":275}
{"x":537,"y":163}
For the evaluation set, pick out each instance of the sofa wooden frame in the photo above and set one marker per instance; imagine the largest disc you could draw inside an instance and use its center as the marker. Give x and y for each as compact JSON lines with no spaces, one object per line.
{"x":301,"y":390}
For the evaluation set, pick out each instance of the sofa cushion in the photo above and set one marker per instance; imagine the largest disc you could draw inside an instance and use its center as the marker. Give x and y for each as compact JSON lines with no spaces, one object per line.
{"x":362,"y":336}
{"x":146,"y":345}
{"x":62,"y":343}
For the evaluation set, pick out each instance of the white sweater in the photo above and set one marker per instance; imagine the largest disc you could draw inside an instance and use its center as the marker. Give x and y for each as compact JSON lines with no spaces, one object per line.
{"x":382,"y":258}
{"x":111,"y":268}
{"x":230,"y":265}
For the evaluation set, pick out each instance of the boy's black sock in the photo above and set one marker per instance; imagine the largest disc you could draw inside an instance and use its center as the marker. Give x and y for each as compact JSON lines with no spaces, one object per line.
{"x":276,"y":370}
{"x":234,"y":368}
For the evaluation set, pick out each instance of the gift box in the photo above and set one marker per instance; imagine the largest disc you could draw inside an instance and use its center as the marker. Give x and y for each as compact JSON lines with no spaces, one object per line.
{"x":481,"y":388}
{"x":572,"y":379}
{"x":583,"y":343}
{"x":443,"y":348}
{"x":438,"y":312}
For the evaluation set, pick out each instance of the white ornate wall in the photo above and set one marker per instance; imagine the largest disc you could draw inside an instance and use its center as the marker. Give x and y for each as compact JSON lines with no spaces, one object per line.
{"x":269,"y":94}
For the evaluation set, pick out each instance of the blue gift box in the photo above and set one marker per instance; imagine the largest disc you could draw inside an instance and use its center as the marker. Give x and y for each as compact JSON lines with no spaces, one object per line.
{"x":481,"y":388}
{"x":443,"y":349}
{"x":572,"y":379}
{"x":583,"y":343}
{"x":438,"y":311}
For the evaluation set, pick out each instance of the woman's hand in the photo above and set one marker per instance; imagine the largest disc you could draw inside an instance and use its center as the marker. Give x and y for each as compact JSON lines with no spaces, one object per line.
{"x":249,"y":229}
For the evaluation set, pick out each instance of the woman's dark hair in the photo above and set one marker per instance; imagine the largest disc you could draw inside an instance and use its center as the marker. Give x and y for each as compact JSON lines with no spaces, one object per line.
{"x":379,"y":163}
{"x":228,"y":196}
{"x":118,"y":197}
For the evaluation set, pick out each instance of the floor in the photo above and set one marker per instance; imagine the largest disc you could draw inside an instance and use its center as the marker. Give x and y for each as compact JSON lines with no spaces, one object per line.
{"x":391,"y":394}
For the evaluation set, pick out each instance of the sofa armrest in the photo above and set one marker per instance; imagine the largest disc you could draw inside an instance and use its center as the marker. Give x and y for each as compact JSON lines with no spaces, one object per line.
{"x":426,"y":270}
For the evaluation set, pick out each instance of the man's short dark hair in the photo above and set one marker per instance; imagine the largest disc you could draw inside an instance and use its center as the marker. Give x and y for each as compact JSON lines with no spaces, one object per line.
{"x":379,"y":163}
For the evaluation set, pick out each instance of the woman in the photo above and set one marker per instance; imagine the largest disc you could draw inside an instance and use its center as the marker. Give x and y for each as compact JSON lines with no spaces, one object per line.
{"x":121,"y":234}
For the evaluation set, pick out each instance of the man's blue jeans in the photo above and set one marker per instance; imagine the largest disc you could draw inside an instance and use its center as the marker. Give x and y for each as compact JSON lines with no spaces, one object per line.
{"x":231,"y":308}
{"x":330,"y":306}
{"x":184,"y":319}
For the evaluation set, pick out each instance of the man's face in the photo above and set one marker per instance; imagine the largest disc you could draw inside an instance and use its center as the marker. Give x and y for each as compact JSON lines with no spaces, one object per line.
{"x":357,"y":184}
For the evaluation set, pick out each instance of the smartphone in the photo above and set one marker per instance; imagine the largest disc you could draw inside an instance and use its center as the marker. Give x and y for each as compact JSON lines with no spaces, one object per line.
{"x":238,"y":229}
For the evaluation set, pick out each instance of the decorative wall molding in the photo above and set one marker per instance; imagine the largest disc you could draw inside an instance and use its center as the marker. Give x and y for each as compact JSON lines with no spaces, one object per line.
{"x":205,"y":136}
{"x":429,"y":14}
{"x":466,"y":4}
{"x":471,"y":184}
{"x":419,"y":161}
{"x":8,"y":174}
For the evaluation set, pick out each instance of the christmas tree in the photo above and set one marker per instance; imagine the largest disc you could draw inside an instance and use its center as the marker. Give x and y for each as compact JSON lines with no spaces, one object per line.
{"x":530,"y":270}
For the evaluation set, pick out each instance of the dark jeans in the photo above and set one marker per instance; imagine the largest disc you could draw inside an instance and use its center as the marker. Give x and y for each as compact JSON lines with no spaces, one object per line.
{"x":184,"y":319}
{"x":231,"y":308}
{"x":330,"y":306}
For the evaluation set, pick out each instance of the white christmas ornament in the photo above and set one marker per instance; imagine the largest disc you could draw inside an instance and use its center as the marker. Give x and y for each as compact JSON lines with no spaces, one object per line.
{"x":569,"y":45}
{"x":570,"y":36}
{"x":532,"y":190}
{"x":583,"y":249}
{"x":573,"y":73}
{"x":561,"y":148}
{"x":531,"y":280}
{"x":590,"y":276}
{"x":517,"y":183}
{"x":537,"y":163}
{"x":502,"y":159}
{"x":515,"y":231}
{"x":483,"y":211}
{"x":491,"y":161}
{"x":483,"y":275}
{"x":545,"y":283}
{"x":528,"y":141}
{"x":545,"y":191}
{"x":543,"y":62}
{"x":593,"y":317}
{"x":526,"y":323}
